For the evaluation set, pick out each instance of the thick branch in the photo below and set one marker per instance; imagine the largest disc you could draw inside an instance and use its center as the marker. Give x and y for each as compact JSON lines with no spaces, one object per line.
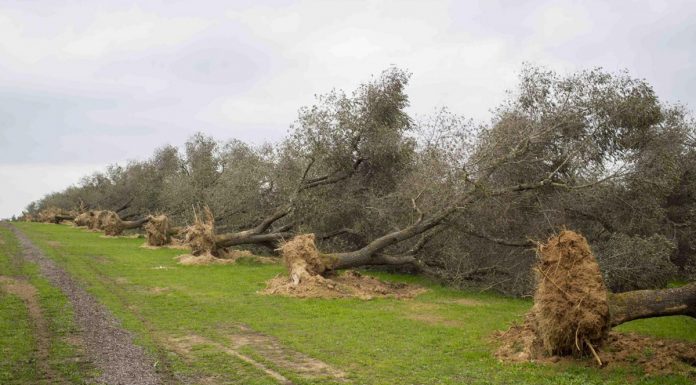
{"x":632,"y":305}
{"x":124,"y":206}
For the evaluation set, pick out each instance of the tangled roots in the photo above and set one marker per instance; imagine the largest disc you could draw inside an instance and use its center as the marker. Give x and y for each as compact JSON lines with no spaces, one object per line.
{"x":158,"y":230}
{"x":48,"y":214}
{"x":83,"y":219}
{"x":302,"y":258}
{"x":111,"y":223}
{"x":97,"y":218}
{"x":200,"y":236}
{"x":570,"y":303}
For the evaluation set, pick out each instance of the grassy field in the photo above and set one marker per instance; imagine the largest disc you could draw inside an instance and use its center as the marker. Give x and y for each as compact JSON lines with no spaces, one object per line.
{"x":187,"y":315}
{"x":20,"y":360}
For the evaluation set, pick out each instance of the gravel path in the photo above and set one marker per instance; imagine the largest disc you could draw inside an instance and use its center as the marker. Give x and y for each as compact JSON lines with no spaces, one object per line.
{"x":109,"y":346}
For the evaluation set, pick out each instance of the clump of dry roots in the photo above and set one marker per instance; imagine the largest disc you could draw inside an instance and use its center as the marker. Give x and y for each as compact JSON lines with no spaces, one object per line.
{"x":308,"y":270}
{"x":200,"y":235}
{"x":570,"y":316}
{"x":111,"y":223}
{"x":83,"y":219}
{"x":52,"y":214}
{"x":302,"y":258}
{"x":158,"y":230}
{"x":96,"y":219}
{"x":571,"y":303}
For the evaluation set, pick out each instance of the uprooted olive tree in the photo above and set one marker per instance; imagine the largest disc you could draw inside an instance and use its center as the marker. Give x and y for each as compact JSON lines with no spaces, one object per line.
{"x":573,"y":311}
{"x":460,"y":166}
{"x":342,"y":142}
{"x":594,"y":151}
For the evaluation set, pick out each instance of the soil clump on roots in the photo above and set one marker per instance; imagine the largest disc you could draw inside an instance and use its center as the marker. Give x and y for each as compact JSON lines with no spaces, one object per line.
{"x":111,"y":223}
{"x":570,"y":316}
{"x":310,"y":276}
{"x":158,"y":230}
{"x":200,"y":235}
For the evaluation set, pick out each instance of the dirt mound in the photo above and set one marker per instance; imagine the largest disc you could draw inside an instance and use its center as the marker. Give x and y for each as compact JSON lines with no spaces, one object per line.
{"x":174,"y":244}
{"x":225,"y":257}
{"x":571,"y":309}
{"x":653,"y":355}
{"x":200,"y":236}
{"x":203,"y":259}
{"x":302,"y":258}
{"x":111,"y":223}
{"x":350,"y":284}
{"x":158,"y":230}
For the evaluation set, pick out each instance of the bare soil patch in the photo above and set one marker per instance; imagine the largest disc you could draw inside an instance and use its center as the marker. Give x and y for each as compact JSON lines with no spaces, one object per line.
{"x":226,"y":257}
{"x":269,"y":349}
{"x":54,"y":244}
{"x":654,"y":355}
{"x":42,"y":334}
{"x":349,"y":284}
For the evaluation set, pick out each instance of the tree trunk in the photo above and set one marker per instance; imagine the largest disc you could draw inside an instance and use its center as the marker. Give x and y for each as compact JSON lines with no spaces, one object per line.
{"x":60,"y":217}
{"x":243,"y":238}
{"x":632,"y":305}
{"x":135,"y":224}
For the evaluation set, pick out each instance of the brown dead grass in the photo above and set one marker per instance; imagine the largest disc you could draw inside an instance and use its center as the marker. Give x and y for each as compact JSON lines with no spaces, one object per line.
{"x":226,"y":257}
{"x":203,"y":259}
{"x":349,"y":284}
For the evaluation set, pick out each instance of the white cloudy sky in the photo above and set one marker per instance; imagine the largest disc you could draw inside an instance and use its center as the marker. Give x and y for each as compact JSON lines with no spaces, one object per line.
{"x":87,"y":83}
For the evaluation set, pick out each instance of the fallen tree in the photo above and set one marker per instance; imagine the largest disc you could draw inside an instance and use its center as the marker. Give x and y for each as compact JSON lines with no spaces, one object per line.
{"x":202,"y":239}
{"x":573,"y":312}
{"x":113,"y":225}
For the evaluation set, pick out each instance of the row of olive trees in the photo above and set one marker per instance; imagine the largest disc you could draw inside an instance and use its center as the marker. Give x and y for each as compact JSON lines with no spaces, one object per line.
{"x":592,"y":151}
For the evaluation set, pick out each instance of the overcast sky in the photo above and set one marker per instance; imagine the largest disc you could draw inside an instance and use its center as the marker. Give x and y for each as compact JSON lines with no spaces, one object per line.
{"x":88,"y":83}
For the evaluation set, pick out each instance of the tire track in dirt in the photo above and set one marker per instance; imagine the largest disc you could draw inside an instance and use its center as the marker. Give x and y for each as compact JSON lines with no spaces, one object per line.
{"x":269,"y":349}
{"x":109,"y":346}
{"x":40,"y":329}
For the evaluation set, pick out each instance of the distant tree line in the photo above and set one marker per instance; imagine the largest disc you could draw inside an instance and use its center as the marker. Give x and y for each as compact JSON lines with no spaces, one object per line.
{"x":592,"y":151}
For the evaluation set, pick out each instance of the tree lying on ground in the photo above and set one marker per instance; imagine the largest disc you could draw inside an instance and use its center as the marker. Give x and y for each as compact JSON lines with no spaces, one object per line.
{"x":342,"y":138}
{"x":592,"y":150}
{"x":573,"y":310}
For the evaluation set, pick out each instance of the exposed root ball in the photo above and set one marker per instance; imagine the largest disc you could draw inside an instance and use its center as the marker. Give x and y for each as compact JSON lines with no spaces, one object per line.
{"x":97,"y":217}
{"x":48,"y":214}
{"x":200,"y":236}
{"x":158,"y":231}
{"x":83,"y":219}
{"x":111,"y":223}
{"x":302,"y":258}
{"x":570,"y":303}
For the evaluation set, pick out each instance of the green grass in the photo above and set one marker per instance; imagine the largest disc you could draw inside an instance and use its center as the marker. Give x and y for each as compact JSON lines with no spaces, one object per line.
{"x":18,"y":361}
{"x":441,"y":337}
